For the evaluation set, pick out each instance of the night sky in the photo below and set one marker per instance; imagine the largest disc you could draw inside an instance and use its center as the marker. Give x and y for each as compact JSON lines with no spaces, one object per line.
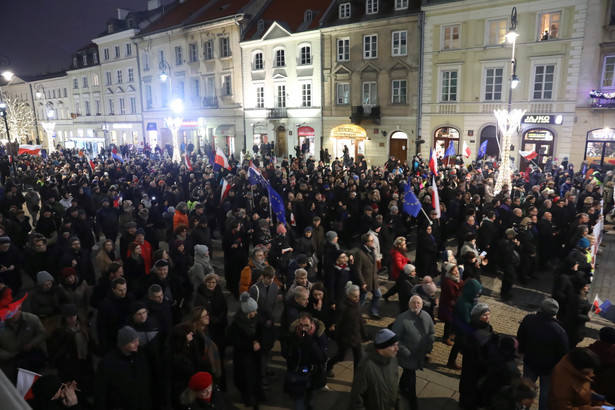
{"x":39,"y":36}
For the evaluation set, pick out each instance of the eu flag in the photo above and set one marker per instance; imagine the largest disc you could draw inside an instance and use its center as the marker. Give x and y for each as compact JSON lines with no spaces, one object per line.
{"x":255,"y":177}
{"x":483,"y":149}
{"x":450,"y":151}
{"x":411,"y":203}
{"x":277,"y":205}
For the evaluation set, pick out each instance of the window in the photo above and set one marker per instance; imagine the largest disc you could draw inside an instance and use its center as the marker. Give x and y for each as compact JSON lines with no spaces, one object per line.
{"x":260,"y":97}
{"x":280,"y":96}
{"x":342,"y":93}
{"x":343,"y":49}
{"x":94,"y":57}
{"x":84,"y":59}
{"x":344,"y":10}
{"x":225,"y":47}
{"x":116,"y":51}
{"x":196,"y":88}
{"x":146,"y":60}
{"x":260,"y":26}
{"x":371,"y":6}
{"x":65,"y":92}
{"x":370,"y":46}
{"x":543,"y":81}
{"x":111,"y":107}
{"x":399,"y":91}
{"x":496,"y":32}
{"x":306,"y":55}
{"x":450,"y":37}
{"x":449,"y":85}
{"x":400,"y":43}
{"x":97,"y":107}
{"x":608,"y":72}
{"x":179,"y":55}
{"x":307,"y":16}
{"x":210,"y":87}
{"x":85,"y":82}
{"x":131,"y":75}
{"x":105,"y":54}
{"x":208,"y":50}
{"x":88,"y":111}
{"x":280,"y":59}
{"x":128,"y":49}
{"x":226,"y":85}
{"x":258,"y":61}
{"x":401,"y":4}
{"x":180,"y":89}
{"x":148,"y":96}
{"x":306,"y":95}
{"x":75,"y":84}
{"x":119,"y":76}
{"x":108,"y":78}
{"x":549,"y":26}
{"x":133,"y":105}
{"x":370,"y":92}
{"x":95,"y":81}
{"x":160,"y":56}
{"x":192,"y":52}
{"x":493,"y":84}
{"x":122,"y":106}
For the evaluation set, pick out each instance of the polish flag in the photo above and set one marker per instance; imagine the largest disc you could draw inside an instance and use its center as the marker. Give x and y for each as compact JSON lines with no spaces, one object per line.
{"x":187,"y":161}
{"x":435,"y":197}
{"x":92,"y":165}
{"x":597,"y":303}
{"x":226,"y":187}
{"x":466,"y":150}
{"x":25,"y":380}
{"x":528,"y":155}
{"x":221,"y":159}
{"x":433,"y":162}
{"x":29,"y":149}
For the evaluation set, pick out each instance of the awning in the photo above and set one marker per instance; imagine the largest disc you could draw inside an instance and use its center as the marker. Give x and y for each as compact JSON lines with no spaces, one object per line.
{"x":348,"y":131}
{"x":305,"y":131}
{"x":225,"y":130}
{"x":151,"y":126}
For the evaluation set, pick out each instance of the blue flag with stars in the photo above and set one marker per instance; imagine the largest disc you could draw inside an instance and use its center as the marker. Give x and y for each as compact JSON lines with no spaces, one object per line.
{"x":277,"y":205}
{"x":483,"y":149}
{"x":255,"y":177}
{"x":450,"y":151}
{"x":411,"y":203}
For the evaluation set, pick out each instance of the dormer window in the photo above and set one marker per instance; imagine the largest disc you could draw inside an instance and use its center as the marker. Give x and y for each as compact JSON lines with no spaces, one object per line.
{"x":260,"y":25}
{"x":371,"y":6}
{"x":401,"y":4}
{"x":307,"y":17}
{"x":344,"y":11}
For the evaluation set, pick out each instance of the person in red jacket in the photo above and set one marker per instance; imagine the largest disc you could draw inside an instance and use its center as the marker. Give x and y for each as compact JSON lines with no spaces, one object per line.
{"x":398,"y":261}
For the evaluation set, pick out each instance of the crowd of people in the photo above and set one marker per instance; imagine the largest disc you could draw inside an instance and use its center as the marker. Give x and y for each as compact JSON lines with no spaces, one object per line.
{"x":127,"y":309}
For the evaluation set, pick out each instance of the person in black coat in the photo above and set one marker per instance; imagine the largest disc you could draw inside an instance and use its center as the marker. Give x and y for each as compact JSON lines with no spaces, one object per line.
{"x":577,"y":314}
{"x":123,"y":376}
{"x":210,"y":296}
{"x":80,"y":259}
{"x":426,"y":253}
{"x":234,"y":256}
{"x":508,"y":261}
{"x":337,"y":275}
{"x":112,"y":314}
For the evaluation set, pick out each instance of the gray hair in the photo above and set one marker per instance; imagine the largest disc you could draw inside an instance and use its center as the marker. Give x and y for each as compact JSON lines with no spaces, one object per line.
{"x":351,"y":288}
{"x":299,"y":291}
{"x":301,"y":273}
{"x":416,"y":297}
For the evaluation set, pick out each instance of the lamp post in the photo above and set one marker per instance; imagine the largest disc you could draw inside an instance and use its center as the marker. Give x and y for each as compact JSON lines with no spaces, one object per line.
{"x":47,"y":123}
{"x":508,"y":120}
{"x":173,"y":122}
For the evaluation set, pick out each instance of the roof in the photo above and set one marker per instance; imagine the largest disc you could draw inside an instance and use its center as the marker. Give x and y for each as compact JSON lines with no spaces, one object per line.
{"x":190,"y":12}
{"x":358,"y":13}
{"x":290,"y":15}
{"x":427,"y":3}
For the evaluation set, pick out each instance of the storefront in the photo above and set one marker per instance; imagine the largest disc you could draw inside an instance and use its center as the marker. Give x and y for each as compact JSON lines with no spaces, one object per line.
{"x":600,"y":146}
{"x":224,"y":136}
{"x":92,"y":146}
{"x":488,"y":134}
{"x":538,"y":136}
{"x":306,"y":133}
{"x":349,"y":136}
{"x":443,"y":137}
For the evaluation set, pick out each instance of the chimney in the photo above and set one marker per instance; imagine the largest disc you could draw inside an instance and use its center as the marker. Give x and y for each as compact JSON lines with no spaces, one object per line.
{"x":122,"y":13}
{"x":153,"y":4}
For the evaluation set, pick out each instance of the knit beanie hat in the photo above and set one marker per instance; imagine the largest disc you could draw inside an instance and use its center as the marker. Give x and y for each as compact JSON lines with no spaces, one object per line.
{"x":583,"y":243}
{"x":126,"y":335}
{"x":43,"y":277}
{"x":384,"y":338}
{"x":135,"y":306}
{"x":331,"y":235}
{"x":200,"y":381}
{"x":549,"y":307}
{"x":68,"y":271}
{"x":448,"y":267}
{"x":480,"y":309}
{"x":200,"y":250}
{"x":247,"y":303}
{"x":428,"y":286}
{"x":409,"y":268}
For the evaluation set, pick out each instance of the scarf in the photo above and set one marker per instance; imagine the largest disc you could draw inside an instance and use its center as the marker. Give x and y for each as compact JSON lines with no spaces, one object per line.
{"x":247,"y":325}
{"x":310,"y":332}
{"x":452,"y":277}
{"x":259,"y":265}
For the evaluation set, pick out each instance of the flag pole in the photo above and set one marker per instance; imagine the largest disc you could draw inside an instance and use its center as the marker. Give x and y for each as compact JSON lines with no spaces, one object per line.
{"x":426,"y":216}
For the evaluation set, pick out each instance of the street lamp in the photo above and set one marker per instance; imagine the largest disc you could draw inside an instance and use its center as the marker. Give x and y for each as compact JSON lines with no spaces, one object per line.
{"x":38,"y":90}
{"x":174,"y":123}
{"x":49,"y":125}
{"x":8,"y":76}
{"x":508,"y":120}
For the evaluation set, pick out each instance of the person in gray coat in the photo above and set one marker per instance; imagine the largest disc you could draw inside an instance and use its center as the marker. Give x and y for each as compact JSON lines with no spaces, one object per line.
{"x":415,"y":330}
{"x":367,"y":273}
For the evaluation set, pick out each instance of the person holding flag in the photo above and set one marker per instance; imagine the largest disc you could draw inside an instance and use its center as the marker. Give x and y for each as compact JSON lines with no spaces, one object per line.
{"x":466,"y":150}
{"x":220,"y":161}
{"x":433,"y":162}
{"x":450,"y":151}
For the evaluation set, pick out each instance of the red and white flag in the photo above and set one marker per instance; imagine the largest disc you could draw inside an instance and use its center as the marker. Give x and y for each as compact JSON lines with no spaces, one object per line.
{"x":435,"y":197}
{"x":221,"y":159}
{"x":226,"y":187}
{"x":25,"y":380}
{"x":187,"y":161}
{"x":92,"y":165}
{"x":597,"y":303}
{"x":466,"y":150}
{"x":528,"y":155}
{"x":29,"y":149}
{"x":433,"y":162}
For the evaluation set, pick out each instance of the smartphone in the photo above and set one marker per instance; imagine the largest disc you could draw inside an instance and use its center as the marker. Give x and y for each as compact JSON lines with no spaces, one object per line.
{"x":483,"y":254}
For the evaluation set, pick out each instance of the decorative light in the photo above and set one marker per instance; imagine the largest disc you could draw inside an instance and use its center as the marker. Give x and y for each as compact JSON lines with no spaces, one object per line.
{"x":163,"y":77}
{"x":508,"y":122}
{"x":602,"y":94}
{"x":8,"y":75}
{"x":514,"y":82}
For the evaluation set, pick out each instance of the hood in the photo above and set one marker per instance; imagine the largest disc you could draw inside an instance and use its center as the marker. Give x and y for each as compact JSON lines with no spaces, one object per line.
{"x":471,"y":289}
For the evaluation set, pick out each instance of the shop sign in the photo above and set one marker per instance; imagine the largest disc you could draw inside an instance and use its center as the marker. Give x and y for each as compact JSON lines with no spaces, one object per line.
{"x":305,"y":131}
{"x":602,"y":134}
{"x":539,"y":135}
{"x":542,"y":119}
{"x":348,"y":131}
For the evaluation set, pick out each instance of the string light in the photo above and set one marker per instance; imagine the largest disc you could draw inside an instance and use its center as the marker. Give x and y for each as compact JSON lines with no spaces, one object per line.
{"x":602,"y":94}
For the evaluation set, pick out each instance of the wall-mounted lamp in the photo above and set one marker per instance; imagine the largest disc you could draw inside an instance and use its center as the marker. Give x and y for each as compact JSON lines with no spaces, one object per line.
{"x":384,"y":133}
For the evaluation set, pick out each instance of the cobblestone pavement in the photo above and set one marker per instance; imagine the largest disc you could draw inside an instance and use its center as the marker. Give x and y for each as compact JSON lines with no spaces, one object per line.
{"x":437,"y":385}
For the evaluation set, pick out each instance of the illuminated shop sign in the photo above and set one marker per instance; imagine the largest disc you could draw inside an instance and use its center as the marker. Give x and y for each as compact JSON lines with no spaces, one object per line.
{"x":542,"y":119}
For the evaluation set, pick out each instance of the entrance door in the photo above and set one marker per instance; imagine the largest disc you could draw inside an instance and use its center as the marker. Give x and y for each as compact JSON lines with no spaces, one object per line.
{"x":399,"y":149}
{"x":493,"y":149}
{"x":280,"y":143}
{"x":541,"y":141}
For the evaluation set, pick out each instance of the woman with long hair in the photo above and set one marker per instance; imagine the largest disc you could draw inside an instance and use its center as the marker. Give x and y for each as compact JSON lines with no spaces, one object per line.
{"x":207,"y":349}
{"x":105,"y":256}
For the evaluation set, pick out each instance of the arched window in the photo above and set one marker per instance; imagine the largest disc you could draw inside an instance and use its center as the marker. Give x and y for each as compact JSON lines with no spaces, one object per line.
{"x":305,"y":55}
{"x":307,"y":17}
{"x":280,"y":58}
{"x":258,"y":63}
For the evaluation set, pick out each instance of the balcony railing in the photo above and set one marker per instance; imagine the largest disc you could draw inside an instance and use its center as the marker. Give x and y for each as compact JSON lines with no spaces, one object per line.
{"x":279,"y":112}
{"x":210,"y":102}
{"x":365,"y":112}
{"x":603,"y":103}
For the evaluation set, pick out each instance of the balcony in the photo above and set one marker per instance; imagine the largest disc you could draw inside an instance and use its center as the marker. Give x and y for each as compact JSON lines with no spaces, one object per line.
{"x":273,"y":113}
{"x":210,"y":102}
{"x":367,"y":112}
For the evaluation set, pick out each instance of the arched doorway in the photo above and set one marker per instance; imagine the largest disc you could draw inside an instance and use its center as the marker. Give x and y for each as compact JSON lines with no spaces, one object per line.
{"x":539,"y":140}
{"x":280,"y":142}
{"x":398,"y":146}
{"x":442,"y":139}
{"x":489,"y":134}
